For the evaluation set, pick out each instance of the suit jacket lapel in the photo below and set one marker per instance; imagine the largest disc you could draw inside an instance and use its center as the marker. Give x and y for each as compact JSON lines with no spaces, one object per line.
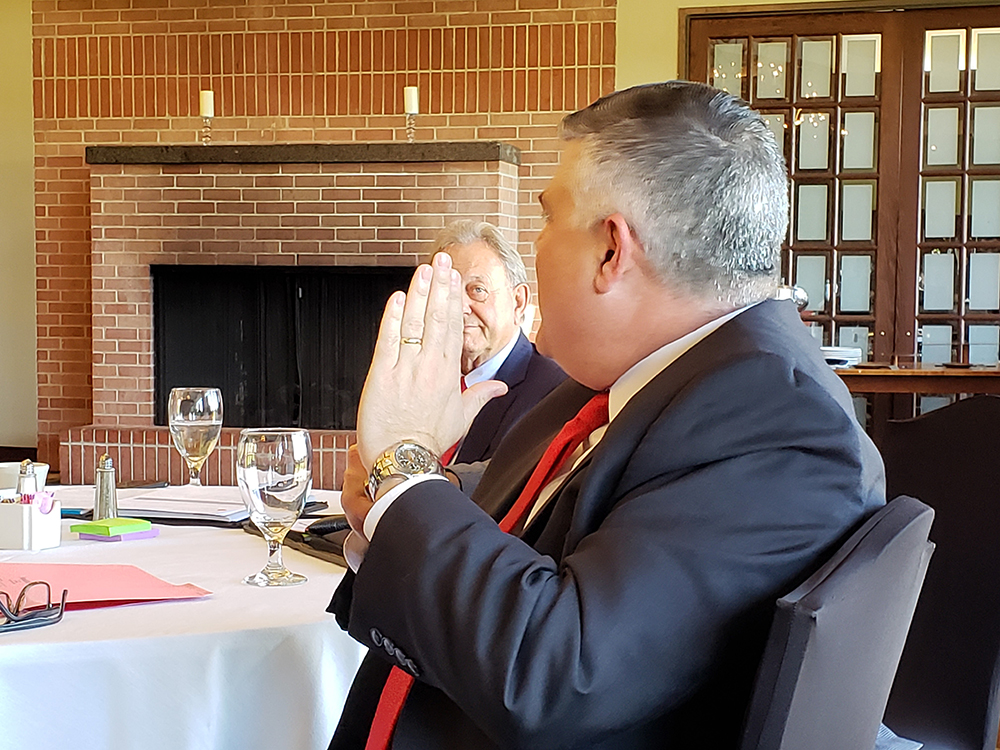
{"x":523,"y":446}
{"x":512,"y":372}
{"x":587,"y":494}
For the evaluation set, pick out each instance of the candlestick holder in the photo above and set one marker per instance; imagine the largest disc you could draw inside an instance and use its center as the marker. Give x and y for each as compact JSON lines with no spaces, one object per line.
{"x":206,"y":130}
{"x":411,"y":127}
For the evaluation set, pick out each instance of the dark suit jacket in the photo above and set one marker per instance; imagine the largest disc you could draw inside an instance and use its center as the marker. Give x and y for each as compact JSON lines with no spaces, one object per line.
{"x":633,"y":611}
{"x":529,"y":377}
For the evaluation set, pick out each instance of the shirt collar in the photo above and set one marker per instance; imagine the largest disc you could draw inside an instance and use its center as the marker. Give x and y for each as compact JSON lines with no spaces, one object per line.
{"x":637,"y":376}
{"x":489,"y":369}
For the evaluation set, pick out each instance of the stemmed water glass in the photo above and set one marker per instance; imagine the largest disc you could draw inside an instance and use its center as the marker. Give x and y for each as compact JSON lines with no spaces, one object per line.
{"x":274,"y":470}
{"x":195,"y":419}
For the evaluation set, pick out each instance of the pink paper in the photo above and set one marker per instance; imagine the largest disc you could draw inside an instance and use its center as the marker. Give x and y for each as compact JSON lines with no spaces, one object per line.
{"x":92,"y":586}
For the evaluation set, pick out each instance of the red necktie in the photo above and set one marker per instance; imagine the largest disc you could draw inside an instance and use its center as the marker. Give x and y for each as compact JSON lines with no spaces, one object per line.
{"x":593,"y":414}
{"x":450,"y":453}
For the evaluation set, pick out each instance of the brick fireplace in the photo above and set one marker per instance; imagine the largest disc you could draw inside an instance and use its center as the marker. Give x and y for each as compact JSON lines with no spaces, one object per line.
{"x":128,"y":72}
{"x":288,"y":204}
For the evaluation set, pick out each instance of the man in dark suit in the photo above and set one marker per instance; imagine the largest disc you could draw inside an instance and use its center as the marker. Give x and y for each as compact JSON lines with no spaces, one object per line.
{"x":493,"y":347}
{"x":629,"y":604}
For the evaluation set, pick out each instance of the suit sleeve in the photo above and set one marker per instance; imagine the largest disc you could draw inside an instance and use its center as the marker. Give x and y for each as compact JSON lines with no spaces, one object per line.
{"x":722,"y":505}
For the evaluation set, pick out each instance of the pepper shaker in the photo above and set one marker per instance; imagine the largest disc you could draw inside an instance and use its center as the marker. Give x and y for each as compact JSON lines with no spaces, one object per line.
{"x":106,"y":494}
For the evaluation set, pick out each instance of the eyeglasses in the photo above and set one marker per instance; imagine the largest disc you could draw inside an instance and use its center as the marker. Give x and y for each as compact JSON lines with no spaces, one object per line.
{"x":21,"y":615}
{"x":478,"y":293}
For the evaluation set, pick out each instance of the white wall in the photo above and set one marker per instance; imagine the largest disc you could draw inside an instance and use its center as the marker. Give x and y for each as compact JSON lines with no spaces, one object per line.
{"x":648,"y":36}
{"x":18,"y":402}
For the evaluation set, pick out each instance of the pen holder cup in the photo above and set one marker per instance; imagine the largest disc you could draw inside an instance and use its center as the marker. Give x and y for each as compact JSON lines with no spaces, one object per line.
{"x":26,"y":527}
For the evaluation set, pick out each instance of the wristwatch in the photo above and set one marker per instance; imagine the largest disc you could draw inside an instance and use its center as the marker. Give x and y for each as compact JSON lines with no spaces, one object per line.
{"x":405,"y":459}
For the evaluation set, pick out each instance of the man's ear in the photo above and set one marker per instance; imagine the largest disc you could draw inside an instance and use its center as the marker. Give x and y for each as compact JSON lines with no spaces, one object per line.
{"x":621,"y":253}
{"x":522,"y":295}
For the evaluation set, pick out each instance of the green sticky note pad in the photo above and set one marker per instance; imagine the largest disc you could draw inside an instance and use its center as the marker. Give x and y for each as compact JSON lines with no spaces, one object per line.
{"x":112,"y":526}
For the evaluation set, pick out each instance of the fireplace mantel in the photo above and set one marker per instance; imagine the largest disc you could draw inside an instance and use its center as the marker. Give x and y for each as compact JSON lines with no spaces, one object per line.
{"x":307,"y":204}
{"x":308,"y":153}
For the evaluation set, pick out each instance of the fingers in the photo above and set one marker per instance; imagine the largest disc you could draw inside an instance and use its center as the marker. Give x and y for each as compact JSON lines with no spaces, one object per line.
{"x":412,"y":324}
{"x":429,"y":315}
{"x":442,"y":320}
{"x":387,"y":343}
{"x":478,"y":395}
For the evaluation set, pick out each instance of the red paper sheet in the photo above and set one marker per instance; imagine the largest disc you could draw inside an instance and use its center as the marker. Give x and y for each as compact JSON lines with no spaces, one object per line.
{"x":92,"y":586}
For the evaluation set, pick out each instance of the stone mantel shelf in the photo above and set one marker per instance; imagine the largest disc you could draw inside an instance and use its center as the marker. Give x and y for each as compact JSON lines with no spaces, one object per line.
{"x":307,"y":153}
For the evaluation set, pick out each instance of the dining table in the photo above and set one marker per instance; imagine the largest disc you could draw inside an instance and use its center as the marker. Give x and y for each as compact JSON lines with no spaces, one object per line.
{"x":241,"y":667}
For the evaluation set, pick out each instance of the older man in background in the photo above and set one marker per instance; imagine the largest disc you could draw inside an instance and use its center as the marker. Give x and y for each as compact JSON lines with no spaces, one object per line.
{"x":496,"y":295}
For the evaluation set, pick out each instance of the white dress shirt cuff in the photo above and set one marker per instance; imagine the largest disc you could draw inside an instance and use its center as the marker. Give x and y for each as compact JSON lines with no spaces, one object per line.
{"x":382,"y":504}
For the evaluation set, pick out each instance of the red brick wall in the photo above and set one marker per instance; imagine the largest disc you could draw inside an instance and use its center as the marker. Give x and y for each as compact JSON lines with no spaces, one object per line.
{"x":256,"y":214}
{"x":129,"y":71}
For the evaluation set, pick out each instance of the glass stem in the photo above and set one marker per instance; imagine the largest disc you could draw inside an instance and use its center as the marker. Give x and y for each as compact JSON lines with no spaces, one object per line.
{"x":274,"y":562}
{"x":195,"y":477}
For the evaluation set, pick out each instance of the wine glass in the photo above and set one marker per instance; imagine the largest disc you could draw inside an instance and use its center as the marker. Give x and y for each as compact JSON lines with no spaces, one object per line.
{"x":274,"y":469}
{"x":195,"y":419}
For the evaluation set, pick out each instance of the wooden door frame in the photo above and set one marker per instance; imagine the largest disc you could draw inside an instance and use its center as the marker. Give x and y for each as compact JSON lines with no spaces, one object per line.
{"x":686,"y":15}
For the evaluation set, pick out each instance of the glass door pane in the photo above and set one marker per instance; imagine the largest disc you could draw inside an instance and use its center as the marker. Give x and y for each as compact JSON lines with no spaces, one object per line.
{"x":771,"y":69}
{"x":815,"y":68}
{"x":727,"y":66}
{"x":944,"y":60}
{"x":862,"y":63}
{"x":986,"y":59}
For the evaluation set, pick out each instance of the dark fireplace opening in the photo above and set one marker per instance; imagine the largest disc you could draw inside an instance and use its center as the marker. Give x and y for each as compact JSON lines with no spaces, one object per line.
{"x":288,"y":346}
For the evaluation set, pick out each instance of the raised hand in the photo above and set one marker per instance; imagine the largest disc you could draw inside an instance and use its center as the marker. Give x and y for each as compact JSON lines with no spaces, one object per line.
{"x":412,"y":389}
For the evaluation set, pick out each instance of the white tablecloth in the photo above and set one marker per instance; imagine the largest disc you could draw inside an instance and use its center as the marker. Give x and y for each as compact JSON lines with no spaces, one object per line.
{"x":243,"y":668}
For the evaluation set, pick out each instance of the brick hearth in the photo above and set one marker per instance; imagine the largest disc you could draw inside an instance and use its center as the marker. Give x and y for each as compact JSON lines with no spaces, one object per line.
{"x":280,"y":213}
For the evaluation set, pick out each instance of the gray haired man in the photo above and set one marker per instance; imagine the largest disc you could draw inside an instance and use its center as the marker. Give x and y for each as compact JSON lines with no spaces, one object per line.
{"x":495,"y":297}
{"x":612,"y":586}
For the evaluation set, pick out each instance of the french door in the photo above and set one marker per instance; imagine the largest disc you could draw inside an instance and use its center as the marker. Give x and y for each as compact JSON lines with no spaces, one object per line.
{"x":890,"y":124}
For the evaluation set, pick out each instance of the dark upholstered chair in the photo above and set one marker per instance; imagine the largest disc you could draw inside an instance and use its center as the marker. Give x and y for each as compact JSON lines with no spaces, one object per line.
{"x":835,"y":641}
{"x":945,"y":693}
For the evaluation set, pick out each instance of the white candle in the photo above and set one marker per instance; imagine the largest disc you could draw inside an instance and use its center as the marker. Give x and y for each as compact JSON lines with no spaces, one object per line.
{"x":411,"y":100}
{"x":206,"y":101}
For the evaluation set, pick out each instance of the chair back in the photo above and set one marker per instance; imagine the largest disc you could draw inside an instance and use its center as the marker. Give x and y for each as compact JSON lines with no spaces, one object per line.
{"x":946,"y":690}
{"x":836,"y":639}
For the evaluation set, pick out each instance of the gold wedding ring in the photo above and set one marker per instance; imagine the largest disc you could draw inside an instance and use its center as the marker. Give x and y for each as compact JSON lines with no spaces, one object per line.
{"x":411,"y":341}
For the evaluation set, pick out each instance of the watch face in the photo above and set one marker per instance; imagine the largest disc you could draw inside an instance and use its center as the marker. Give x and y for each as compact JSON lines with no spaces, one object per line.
{"x":414,"y":459}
